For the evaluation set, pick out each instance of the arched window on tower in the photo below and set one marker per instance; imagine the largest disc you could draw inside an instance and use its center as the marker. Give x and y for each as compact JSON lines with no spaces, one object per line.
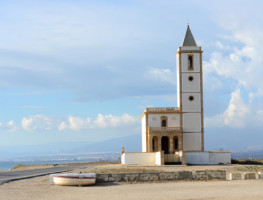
{"x":190,"y":62}
{"x":164,"y":123}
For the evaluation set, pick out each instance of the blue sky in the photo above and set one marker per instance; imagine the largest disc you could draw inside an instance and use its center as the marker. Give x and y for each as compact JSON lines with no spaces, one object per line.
{"x":86,"y":70}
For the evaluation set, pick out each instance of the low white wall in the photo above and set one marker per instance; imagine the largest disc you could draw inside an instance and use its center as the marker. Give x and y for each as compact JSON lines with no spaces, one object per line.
{"x":197,"y":158}
{"x":216,"y":158}
{"x":123,"y":158}
{"x":208,"y":158}
{"x":158,"y":158}
{"x":138,"y":158}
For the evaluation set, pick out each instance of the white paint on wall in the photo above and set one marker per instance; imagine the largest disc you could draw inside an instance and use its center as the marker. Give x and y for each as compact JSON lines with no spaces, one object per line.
{"x":173,"y":120}
{"x":139,"y":158}
{"x":123,"y":158}
{"x":190,"y":86}
{"x":158,"y":158}
{"x":197,"y":158}
{"x":192,"y":122}
{"x":219,"y":157}
{"x":192,"y":142}
{"x":144,"y":133}
{"x":191,"y":106}
{"x":208,"y":158}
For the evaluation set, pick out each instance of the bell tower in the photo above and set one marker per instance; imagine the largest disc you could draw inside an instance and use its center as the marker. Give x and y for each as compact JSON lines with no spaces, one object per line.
{"x":190,"y":93}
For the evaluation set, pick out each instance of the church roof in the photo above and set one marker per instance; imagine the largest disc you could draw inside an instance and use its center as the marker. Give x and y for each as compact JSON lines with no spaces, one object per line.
{"x":189,"y":38}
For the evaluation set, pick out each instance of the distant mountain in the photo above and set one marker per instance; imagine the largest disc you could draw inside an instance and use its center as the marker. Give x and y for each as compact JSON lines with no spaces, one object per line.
{"x":248,"y":154}
{"x":131,"y":143}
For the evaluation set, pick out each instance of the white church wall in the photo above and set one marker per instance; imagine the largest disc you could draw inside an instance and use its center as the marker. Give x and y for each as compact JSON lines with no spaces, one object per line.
{"x":216,"y":158}
{"x":158,"y":158}
{"x":173,"y":120}
{"x":191,"y":106}
{"x":190,"y":86}
{"x":208,"y":158}
{"x":192,"y":142}
{"x":197,"y":158}
{"x":196,"y":62}
{"x":138,"y":158}
{"x":192,"y":122}
{"x":144,"y":133}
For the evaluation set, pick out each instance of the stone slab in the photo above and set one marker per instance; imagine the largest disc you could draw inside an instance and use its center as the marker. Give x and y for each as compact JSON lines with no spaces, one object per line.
{"x":251,"y":175}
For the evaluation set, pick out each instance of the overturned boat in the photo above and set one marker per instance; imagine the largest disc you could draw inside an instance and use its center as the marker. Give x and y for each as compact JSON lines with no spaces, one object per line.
{"x":73,"y":179}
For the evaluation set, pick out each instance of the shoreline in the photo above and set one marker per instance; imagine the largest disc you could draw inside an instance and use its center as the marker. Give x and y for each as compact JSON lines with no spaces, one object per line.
{"x":40,"y":166}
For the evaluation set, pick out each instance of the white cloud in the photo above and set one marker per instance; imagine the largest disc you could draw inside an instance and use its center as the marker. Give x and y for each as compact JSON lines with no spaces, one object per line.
{"x":75,"y":123}
{"x":101,"y":122}
{"x":36,"y":122}
{"x":237,"y":114}
{"x":45,"y":123}
{"x":9,"y":126}
{"x":236,"y":62}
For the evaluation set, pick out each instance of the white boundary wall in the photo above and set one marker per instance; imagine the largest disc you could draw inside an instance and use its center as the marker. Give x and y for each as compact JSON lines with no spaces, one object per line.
{"x":208,"y":158}
{"x":216,"y":158}
{"x":141,"y":158}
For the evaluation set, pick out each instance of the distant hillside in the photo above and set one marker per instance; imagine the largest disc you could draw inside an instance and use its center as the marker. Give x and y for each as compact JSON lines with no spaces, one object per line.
{"x":131,"y":143}
{"x":248,"y":154}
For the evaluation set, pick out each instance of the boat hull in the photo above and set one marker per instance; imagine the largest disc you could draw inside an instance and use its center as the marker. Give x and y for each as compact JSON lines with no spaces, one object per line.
{"x":74,"y":179}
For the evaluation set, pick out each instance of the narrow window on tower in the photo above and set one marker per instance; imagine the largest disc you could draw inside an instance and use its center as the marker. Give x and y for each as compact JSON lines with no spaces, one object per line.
{"x":164,"y":121}
{"x":190,"y":62}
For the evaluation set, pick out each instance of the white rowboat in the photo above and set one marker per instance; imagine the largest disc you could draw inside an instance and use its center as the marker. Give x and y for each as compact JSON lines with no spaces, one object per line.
{"x":73,"y":179}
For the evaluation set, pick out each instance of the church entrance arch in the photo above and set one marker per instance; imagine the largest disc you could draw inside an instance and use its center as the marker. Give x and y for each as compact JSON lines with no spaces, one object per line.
{"x":165,"y":144}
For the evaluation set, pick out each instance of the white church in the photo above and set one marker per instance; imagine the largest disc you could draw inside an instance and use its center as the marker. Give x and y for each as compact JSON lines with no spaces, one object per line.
{"x":175,"y":135}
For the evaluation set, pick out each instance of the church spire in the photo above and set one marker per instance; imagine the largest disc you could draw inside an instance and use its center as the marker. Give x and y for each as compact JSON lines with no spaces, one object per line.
{"x":189,"y":38}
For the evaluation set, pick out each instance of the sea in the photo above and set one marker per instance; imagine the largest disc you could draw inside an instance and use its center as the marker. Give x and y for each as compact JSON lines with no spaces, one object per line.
{"x":59,"y":159}
{"x":7,"y":165}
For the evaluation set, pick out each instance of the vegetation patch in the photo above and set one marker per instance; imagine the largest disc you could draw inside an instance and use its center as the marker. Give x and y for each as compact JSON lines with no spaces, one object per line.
{"x":247,"y":161}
